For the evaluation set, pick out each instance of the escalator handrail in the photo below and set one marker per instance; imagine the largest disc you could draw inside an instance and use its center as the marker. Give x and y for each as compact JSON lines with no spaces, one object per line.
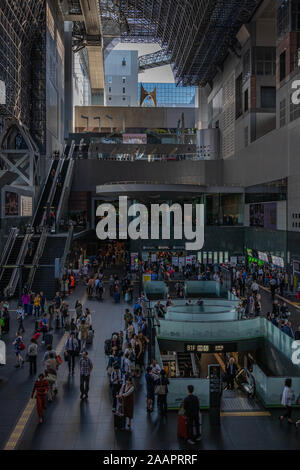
{"x":48,"y":176}
{"x":67,"y":182}
{"x":37,"y":255}
{"x":66,"y":251}
{"x":13,"y":233}
{"x":42,"y":193}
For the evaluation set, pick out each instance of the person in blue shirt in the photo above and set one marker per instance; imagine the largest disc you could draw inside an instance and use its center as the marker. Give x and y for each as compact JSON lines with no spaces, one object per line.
{"x":287,"y":329}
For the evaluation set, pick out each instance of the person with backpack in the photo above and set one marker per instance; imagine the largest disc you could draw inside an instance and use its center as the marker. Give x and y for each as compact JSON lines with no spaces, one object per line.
{"x":19,"y":346}
{"x":32,"y":356}
{"x":161,"y":390}
{"x":20,"y":319}
{"x":71,"y":348}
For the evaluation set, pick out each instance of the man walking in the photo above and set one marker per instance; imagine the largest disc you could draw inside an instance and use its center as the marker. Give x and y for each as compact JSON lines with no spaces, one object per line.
{"x":71,"y":347}
{"x":86,"y":367}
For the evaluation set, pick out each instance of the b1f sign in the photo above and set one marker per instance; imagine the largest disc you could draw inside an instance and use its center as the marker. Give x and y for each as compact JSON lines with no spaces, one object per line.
{"x":2,"y":92}
{"x":2,"y":353}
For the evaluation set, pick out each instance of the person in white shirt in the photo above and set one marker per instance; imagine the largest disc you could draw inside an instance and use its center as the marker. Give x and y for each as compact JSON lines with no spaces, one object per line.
{"x":287,"y":399}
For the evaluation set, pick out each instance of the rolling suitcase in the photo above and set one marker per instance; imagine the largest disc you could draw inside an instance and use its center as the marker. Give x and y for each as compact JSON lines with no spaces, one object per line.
{"x":182,"y":428}
{"x":90,"y":337}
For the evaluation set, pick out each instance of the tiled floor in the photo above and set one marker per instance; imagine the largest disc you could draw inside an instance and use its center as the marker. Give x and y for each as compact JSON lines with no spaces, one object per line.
{"x":72,"y":424}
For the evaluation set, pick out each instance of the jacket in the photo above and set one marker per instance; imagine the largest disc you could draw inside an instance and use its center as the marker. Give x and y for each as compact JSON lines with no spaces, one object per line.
{"x":191,"y":406}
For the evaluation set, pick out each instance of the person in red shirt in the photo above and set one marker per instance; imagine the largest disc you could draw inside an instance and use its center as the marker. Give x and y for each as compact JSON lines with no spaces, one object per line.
{"x":39,"y":391}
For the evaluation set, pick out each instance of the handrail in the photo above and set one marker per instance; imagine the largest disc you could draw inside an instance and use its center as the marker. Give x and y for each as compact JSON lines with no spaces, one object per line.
{"x":53,"y":187}
{"x":66,"y":251}
{"x":12,"y":233}
{"x":67,"y":182}
{"x":11,"y":287}
{"x":37,"y":255}
{"x":194,"y":366}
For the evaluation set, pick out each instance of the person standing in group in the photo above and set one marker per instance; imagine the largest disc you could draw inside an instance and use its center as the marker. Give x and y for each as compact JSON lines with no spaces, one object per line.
{"x":42,"y":302}
{"x":192,"y":411}
{"x":287,"y":399}
{"x":20,"y":319}
{"x":71,"y":348}
{"x":231,"y":370}
{"x":40,"y":391}
{"x":150,"y":389}
{"x":51,"y":312}
{"x":161,"y":390}
{"x":126,"y":397}
{"x":83,"y":334}
{"x":86,"y":367}
{"x":37,"y":306}
{"x":18,"y":348}
{"x":32,"y":356}
{"x":116,"y":383}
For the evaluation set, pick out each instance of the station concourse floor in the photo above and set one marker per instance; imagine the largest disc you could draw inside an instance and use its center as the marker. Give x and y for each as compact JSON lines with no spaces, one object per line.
{"x":74,"y":425}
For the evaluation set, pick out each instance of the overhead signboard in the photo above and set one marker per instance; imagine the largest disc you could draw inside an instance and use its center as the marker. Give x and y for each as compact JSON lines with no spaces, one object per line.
{"x":263,"y":256}
{"x":26,"y":206}
{"x":135,"y":139}
{"x":277,"y":261}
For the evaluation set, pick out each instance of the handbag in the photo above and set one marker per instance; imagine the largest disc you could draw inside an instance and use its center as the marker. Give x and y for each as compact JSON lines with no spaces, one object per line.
{"x":160,"y":389}
{"x":22,"y":346}
{"x":66,"y":356}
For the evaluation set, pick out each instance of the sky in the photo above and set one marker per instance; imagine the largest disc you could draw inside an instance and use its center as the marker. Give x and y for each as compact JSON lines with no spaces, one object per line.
{"x":162,"y":74}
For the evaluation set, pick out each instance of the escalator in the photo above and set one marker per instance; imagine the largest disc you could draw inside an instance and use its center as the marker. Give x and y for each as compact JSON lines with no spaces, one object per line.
{"x":11,"y":260}
{"x":184,"y":358}
{"x":44,"y":279}
{"x":59,"y":188}
{"x":38,"y":216}
{"x":28,"y":260}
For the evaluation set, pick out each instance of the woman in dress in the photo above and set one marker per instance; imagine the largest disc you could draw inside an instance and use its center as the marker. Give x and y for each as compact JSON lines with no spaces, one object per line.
{"x":126,"y":397}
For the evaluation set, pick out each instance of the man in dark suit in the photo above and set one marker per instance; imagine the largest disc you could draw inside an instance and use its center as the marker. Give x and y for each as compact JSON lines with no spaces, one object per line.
{"x":231,"y":371}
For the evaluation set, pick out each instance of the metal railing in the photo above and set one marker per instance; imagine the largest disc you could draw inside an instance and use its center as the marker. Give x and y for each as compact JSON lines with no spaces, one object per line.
{"x":11,"y":287}
{"x":67,"y":183}
{"x":13,"y":233}
{"x":66,"y":251}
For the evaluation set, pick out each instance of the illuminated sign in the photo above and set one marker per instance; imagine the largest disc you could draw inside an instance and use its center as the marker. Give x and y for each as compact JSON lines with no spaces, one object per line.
{"x":210,"y":348}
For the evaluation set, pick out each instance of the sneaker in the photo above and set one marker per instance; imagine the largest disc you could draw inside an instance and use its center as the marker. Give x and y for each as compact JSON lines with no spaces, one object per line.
{"x":199,"y":438}
{"x":81,"y":397}
{"x":189,"y":441}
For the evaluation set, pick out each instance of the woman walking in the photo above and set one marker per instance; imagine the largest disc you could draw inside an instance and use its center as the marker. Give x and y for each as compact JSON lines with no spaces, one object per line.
{"x":288,"y":397}
{"x":18,"y":347}
{"x":126,"y":397}
{"x":39,"y":391}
